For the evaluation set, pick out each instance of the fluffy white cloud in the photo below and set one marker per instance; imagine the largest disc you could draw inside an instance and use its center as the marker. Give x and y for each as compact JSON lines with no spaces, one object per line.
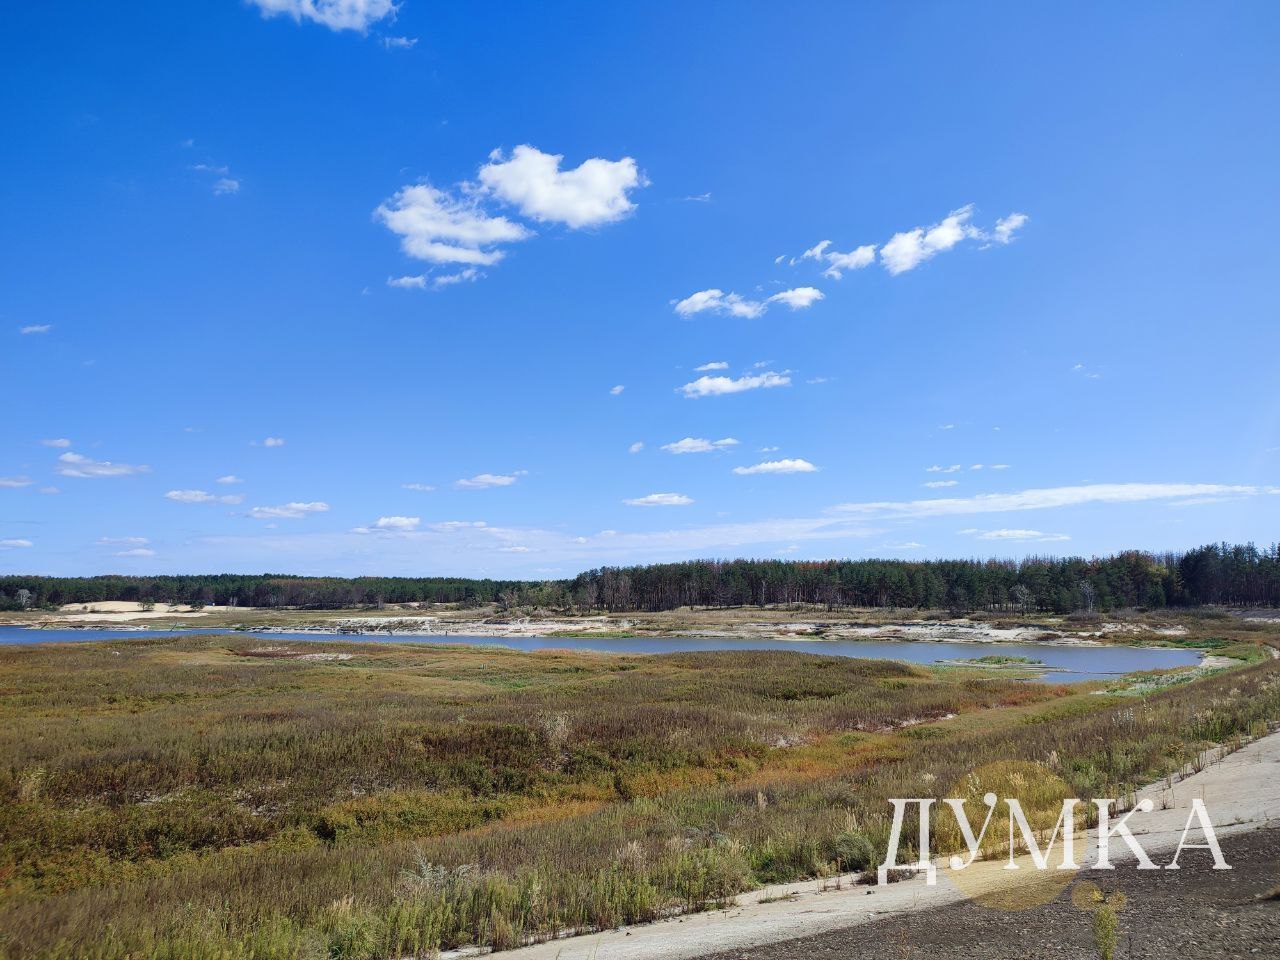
{"x":288,"y":511}
{"x":443,"y":228}
{"x":660,"y":500}
{"x":907,"y":250}
{"x":798,"y":298}
{"x":273,"y":442}
{"x":699,"y":445}
{"x":75,"y":465}
{"x":13,"y":483}
{"x":226,"y":187}
{"x":615,"y":390}
{"x":419,"y":487}
{"x":408,"y":283}
{"x":713,"y":365}
{"x":61,"y":442}
{"x":718,"y":386}
{"x":201,"y":496}
{"x":777,"y":466}
{"x":15,"y":544}
{"x":837,"y":262}
{"x":636,"y":447}
{"x":1016,"y":536}
{"x":230,"y":478}
{"x":734,"y":305}
{"x":935,"y":484}
{"x":717,"y":301}
{"x":593,"y":193}
{"x":1006,"y":227}
{"x":1046,"y":499}
{"x":357,"y":15}
{"x":36,"y":328}
{"x":482,"y":480}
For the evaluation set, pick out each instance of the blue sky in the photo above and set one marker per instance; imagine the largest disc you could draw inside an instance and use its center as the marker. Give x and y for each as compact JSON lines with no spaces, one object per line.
{"x":344,"y":256}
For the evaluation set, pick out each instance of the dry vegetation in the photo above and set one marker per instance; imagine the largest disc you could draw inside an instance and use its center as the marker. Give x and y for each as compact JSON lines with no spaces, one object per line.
{"x":222,"y":797}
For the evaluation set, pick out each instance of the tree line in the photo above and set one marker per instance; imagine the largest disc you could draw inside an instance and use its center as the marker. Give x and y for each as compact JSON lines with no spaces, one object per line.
{"x":1218,"y":574}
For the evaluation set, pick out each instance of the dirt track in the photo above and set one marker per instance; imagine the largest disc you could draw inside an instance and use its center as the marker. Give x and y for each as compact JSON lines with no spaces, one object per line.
{"x":1193,"y":913}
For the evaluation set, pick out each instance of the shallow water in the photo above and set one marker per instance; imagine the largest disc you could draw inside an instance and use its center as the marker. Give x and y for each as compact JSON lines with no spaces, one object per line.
{"x":1064,"y":664}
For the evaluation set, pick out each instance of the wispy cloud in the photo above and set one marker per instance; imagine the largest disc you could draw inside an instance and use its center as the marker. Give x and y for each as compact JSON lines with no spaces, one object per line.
{"x":636,"y":447}
{"x":135,"y":552}
{"x":355,"y":15}
{"x":418,"y":487}
{"x":713,"y":365}
{"x":35,"y":328}
{"x":61,"y":442}
{"x":660,"y":500}
{"x":482,"y":481}
{"x":289,"y":511}
{"x":273,"y":442}
{"x":75,"y":465}
{"x":935,"y":484}
{"x":229,"y":479}
{"x":1044,"y":499}
{"x":201,"y":496}
{"x":616,"y":389}
{"x":777,"y":466}
{"x":1016,"y":536}
{"x":15,"y":544}
{"x":907,"y":249}
{"x":938,"y":468}
{"x":399,"y":43}
{"x":715,"y":300}
{"x":720,"y":386}
{"x":14,"y":483}
{"x":699,"y":445}
{"x":122,"y":541}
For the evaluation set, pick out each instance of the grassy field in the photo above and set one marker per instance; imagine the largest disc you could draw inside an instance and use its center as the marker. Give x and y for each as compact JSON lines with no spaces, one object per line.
{"x":225,"y":797}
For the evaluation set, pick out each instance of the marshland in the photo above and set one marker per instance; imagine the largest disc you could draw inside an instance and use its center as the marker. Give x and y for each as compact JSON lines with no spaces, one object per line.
{"x":229,"y":796}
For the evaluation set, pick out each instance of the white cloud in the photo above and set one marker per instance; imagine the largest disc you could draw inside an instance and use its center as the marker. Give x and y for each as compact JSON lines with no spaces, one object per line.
{"x":230,"y":478}
{"x":75,"y":465}
{"x":719,"y":386}
{"x":837,"y":263}
{"x":699,"y":445}
{"x":483,"y":480}
{"x":947,"y":426}
{"x":1007,"y":226}
{"x":226,"y":187}
{"x":136,"y":552}
{"x":593,"y":193}
{"x":399,"y":43}
{"x":717,"y":301}
{"x":273,"y":442}
{"x":15,"y":544}
{"x":408,"y":283}
{"x":713,"y":365}
{"x":62,"y":442}
{"x":419,"y":487}
{"x":1017,"y":536}
{"x":357,"y":15}
{"x":443,"y":228}
{"x":907,"y":250}
{"x":449,"y":279}
{"x":201,"y":496}
{"x":976,"y":466}
{"x":999,"y":466}
{"x":120,"y":541}
{"x":777,"y":466}
{"x":940,"y":469}
{"x":1044,"y":499}
{"x":36,"y":328}
{"x":636,"y":447}
{"x":798,"y":298}
{"x":660,"y":500}
{"x":48,"y":491}
{"x":13,"y":483}
{"x":288,"y":511}
{"x":615,"y":390}
{"x":934,"y":484}
{"x":397,"y":524}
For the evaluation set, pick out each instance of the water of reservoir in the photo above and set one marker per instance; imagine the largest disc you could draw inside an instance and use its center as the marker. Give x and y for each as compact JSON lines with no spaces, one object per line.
{"x":1063,"y":664}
